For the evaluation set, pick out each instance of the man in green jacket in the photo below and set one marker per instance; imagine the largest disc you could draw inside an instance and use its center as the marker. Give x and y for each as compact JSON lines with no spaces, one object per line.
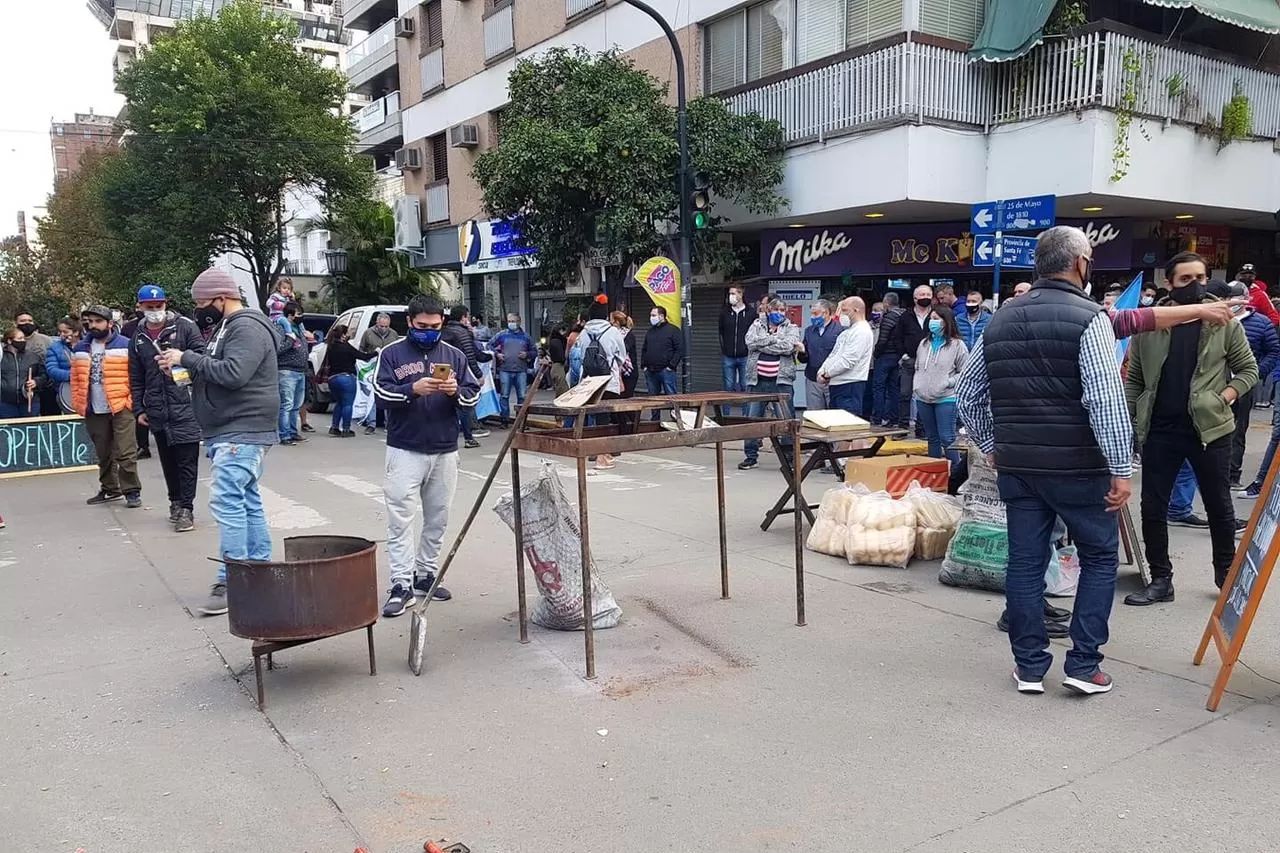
{"x":1180,"y":387}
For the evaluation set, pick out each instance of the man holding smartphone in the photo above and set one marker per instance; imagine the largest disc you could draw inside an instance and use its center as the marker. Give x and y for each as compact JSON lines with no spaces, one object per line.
{"x":421,"y":382}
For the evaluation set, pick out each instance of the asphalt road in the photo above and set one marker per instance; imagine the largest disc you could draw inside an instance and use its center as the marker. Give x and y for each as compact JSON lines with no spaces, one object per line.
{"x":888,"y":724}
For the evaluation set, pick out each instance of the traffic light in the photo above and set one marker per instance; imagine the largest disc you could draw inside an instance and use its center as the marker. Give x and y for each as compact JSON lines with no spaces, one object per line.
{"x":700,"y":200}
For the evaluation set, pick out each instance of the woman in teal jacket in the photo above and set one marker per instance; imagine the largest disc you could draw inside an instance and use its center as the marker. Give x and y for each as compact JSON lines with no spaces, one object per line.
{"x":57,"y":359}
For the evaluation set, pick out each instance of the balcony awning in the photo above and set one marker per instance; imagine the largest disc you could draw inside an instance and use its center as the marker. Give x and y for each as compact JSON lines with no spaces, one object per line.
{"x":1013,"y":27}
{"x":1261,"y":15}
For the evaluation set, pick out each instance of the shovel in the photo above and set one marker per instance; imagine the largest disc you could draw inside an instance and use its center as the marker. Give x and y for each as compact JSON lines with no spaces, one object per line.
{"x":418,"y":619}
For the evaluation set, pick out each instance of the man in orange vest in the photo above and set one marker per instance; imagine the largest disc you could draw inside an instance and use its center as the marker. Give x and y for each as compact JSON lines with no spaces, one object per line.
{"x":100,"y":393}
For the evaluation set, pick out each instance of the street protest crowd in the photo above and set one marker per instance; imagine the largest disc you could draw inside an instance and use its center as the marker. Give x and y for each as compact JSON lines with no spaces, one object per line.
{"x":1032,"y":384}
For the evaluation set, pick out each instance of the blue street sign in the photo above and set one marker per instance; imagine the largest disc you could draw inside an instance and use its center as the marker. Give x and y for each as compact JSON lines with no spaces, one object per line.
{"x":984,"y":250}
{"x":1033,"y":213}
{"x":1018,"y":252}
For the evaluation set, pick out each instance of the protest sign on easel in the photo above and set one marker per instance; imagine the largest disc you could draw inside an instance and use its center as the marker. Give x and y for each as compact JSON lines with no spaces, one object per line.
{"x":1242,"y":593}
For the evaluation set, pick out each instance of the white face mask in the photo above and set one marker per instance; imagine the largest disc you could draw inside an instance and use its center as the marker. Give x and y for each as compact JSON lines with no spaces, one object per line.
{"x":154,"y":317}
{"x":735,"y":300}
{"x":1148,"y":301}
{"x":846,"y":320}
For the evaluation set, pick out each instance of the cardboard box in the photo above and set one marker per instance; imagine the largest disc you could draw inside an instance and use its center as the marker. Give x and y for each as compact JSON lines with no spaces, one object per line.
{"x":893,"y":474}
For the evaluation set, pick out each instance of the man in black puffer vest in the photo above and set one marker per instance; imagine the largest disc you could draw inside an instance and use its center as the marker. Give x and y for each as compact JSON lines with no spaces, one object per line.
{"x":1042,"y":392}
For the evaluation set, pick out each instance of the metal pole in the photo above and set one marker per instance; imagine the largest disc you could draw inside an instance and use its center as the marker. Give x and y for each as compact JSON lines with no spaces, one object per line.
{"x":686,"y":222}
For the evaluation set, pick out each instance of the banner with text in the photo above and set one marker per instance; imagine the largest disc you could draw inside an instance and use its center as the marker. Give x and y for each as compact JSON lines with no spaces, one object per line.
{"x":661,"y":280}
{"x":45,"y":446}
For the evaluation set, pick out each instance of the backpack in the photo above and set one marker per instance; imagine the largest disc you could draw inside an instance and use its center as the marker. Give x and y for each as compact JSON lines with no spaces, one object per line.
{"x":594,"y":360}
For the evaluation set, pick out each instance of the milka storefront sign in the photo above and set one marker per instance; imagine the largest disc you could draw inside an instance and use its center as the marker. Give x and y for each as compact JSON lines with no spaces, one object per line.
{"x":792,"y":256}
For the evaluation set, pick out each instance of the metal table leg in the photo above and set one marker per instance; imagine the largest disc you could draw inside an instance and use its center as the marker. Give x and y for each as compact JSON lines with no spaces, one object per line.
{"x":797,"y":477}
{"x":519,"y":525}
{"x":724,"y":546}
{"x":588,"y":612}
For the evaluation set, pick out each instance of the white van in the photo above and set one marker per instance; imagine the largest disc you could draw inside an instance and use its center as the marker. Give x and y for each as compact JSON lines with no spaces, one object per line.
{"x":357,"y":320}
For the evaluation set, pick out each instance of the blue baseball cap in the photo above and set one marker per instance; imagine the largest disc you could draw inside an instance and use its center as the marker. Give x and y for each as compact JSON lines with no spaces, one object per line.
{"x":151,"y":293}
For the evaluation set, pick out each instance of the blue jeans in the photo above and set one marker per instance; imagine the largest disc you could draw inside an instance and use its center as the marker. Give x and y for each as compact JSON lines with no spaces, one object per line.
{"x":735,"y":377}
{"x":293,"y":392}
{"x":660,"y":382}
{"x":506,"y":383}
{"x":1032,"y":502}
{"x":849,"y":396}
{"x":1184,"y":492}
{"x":236,"y":505}
{"x":884,"y":389}
{"x":342,"y":389}
{"x":939,"y":423}
{"x":751,"y":447}
{"x":1270,"y":452}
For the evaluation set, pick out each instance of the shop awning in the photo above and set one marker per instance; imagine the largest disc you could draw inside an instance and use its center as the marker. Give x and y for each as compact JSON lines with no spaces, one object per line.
{"x":1261,"y":15}
{"x":1012,"y":28}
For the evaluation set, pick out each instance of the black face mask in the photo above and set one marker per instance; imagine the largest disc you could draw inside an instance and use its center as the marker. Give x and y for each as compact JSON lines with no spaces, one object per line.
{"x":208,"y":317}
{"x":974,"y":309}
{"x":1189,"y":295}
{"x":27,"y":329}
{"x":924,"y":303}
{"x":18,"y":346}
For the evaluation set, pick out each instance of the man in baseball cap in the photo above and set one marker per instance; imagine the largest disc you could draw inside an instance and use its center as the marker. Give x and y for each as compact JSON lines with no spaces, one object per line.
{"x":235,"y":391}
{"x":100,"y":393}
{"x":1258,"y":299}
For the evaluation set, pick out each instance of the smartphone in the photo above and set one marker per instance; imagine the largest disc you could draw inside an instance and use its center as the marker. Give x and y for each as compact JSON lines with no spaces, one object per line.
{"x":441,"y":371}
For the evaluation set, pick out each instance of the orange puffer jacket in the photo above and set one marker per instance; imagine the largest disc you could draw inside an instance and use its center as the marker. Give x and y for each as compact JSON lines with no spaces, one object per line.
{"x":115,"y":374}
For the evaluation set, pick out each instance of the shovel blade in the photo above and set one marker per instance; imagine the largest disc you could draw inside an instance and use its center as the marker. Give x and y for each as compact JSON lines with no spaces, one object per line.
{"x":417,"y":641}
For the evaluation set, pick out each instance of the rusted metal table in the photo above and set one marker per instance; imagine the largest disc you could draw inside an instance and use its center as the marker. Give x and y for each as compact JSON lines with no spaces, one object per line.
{"x":822,"y":443}
{"x":580,"y":441}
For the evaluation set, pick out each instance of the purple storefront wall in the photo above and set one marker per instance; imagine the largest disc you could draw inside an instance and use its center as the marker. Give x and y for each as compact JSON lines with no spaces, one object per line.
{"x":900,"y":251}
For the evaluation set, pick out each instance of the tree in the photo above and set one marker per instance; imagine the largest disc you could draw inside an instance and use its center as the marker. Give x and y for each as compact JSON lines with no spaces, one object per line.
{"x":589,"y":150}
{"x":25,"y":286}
{"x":366,"y":228}
{"x":90,"y":256}
{"x":225,"y":115}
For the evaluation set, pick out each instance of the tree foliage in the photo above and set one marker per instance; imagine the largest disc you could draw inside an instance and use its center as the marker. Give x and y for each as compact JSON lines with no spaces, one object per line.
{"x":225,"y":115}
{"x":589,"y":146}
{"x":366,"y":228}
{"x":25,"y":286}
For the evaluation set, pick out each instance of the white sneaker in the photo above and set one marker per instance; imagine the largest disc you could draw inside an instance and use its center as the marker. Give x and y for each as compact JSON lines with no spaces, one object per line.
{"x":1027,"y":686}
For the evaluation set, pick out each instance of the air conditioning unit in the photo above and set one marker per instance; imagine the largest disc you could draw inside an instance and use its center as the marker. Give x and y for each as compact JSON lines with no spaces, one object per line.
{"x":405,"y":27}
{"x":408,"y":218}
{"x":408,"y":158}
{"x":464,"y":135}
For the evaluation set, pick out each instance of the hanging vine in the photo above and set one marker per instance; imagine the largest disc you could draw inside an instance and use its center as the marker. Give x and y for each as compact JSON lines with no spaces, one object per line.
{"x":1131,"y":68}
{"x":1237,"y":119}
{"x":1067,"y":16}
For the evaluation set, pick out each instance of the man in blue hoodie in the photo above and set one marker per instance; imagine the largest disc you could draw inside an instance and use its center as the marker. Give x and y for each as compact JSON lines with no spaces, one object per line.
{"x":516,"y":356}
{"x":422,"y":446}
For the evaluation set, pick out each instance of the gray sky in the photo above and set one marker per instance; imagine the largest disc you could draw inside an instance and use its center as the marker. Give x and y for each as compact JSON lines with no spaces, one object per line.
{"x":55,"y":61}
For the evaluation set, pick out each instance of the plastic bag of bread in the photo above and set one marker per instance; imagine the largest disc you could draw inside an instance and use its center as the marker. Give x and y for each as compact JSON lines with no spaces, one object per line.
{"x":936,"y":518}
{"x":830,"y":529}
{"x":882,"y":532}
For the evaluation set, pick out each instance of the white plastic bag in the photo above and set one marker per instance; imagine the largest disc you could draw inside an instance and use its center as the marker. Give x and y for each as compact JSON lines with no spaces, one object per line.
{"x":553,"y":547}
{"x":936,"y":518}
{"x":1063,"y":575}
{"x":882,"y":532}
{"x":830,"y":527}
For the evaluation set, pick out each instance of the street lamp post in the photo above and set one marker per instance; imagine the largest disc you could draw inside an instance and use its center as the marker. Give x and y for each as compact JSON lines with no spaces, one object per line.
{"x":683,"y":257}
{"x":335,"y":260}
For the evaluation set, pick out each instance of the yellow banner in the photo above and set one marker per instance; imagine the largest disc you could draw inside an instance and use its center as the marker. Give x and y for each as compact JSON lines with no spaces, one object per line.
{"x":660,"y":277}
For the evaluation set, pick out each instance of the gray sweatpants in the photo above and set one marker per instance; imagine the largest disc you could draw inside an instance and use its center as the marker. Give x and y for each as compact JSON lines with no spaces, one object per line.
{"x":413,"y":478}
{"x":816,"y":395}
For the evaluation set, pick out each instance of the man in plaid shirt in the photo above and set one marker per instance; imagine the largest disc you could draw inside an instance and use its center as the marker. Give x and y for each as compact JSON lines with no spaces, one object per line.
{"x":1041,"y":392}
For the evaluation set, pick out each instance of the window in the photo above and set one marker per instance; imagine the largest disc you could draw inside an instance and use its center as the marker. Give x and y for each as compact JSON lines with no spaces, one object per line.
{"x":779,"y":34}
{"x":954,"y":19}
{"x":432,"y":26}
{"x":438,"y":153}
{"x":495,"y":128}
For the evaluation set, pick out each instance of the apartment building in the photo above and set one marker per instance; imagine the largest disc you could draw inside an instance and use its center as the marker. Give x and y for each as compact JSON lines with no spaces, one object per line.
{"x":71,"y":139}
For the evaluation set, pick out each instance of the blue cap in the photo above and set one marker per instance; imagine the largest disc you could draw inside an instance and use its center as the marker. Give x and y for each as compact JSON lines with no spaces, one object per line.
{"x":151,"y":293}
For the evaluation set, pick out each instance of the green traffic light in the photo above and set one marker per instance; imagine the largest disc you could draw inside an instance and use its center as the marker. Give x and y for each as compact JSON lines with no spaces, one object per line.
{"x":701,"y":219}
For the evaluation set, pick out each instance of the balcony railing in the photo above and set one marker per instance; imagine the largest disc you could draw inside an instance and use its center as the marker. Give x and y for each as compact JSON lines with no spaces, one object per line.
{"x":499,"y":33}
{"x":377,"y":112}
{"x":438,"y":202}
{"x":920,"y":83}
{"x":433,"y":70}
{"x":373,"y":48}
{"x":577,"y":7}
{"x":305,"y":266}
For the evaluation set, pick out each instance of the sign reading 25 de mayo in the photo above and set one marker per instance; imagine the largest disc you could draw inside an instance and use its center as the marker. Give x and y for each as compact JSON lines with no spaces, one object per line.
{"x":491,"y":245}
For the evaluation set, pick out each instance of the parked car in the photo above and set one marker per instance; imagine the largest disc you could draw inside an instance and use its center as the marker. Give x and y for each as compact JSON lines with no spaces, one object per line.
{"x":357,"y":320}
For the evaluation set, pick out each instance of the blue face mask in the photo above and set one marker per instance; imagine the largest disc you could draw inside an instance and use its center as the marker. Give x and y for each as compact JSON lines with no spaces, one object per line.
{"x":776,"y":318}
{"x":426,"y":338}
{"x":655,"y":320}
{"x":816,"y":322}
{"x":935,"y":328}
{"x":876,"y":315}
{"x":513,"y":326}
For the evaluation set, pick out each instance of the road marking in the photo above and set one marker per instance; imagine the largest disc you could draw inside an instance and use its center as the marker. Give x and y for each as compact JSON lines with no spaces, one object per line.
{"x":287,"y":514}
{"x":356,"y":486}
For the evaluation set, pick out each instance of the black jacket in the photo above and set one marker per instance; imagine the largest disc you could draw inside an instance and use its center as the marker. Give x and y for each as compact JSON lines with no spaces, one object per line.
{"x":630,"y":380}
{"x":663,"y":348}
{"x":292,"y":349}
{"x":888,"y":323}
{"x":166,"y":404}
{"x":1032,"y":351}
{"x":460,"y":336}
{"x":906,"y":335}
{"x":733,"y":330}
{"x":13,"y":376}
{"x":556,"y":350}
